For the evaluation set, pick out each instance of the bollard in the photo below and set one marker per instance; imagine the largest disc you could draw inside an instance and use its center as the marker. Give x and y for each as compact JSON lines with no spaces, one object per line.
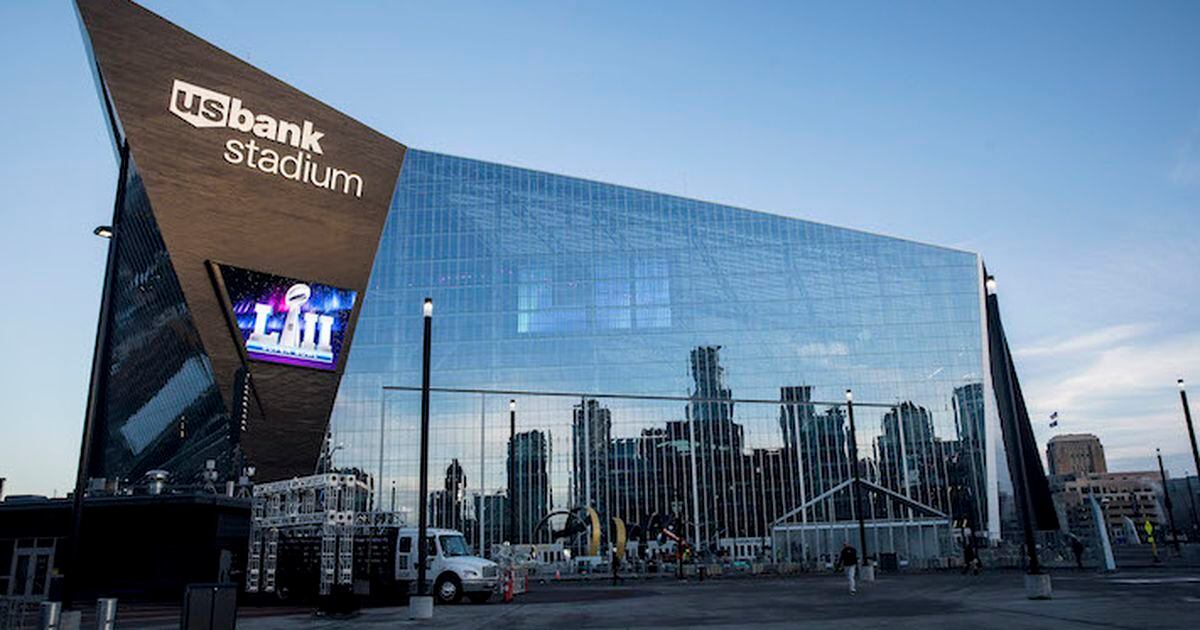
{"x":420,"y":607}
{"x":51,"y":616}
{"x":106,"y":613}
{"x":866,"y":572}
{"x":1037,"y":586}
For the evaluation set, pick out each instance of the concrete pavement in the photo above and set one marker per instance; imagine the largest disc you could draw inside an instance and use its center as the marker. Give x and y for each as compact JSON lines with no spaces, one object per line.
{"x":1158,"y":598}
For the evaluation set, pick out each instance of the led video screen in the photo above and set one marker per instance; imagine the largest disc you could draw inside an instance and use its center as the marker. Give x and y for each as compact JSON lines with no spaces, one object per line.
{"x":288,"y":321}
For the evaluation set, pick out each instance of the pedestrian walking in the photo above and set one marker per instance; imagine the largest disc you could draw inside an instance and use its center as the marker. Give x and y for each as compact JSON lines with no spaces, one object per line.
{"x":848,"y":560}
{"x":1077,"y":549}
{"x":971,"y":561}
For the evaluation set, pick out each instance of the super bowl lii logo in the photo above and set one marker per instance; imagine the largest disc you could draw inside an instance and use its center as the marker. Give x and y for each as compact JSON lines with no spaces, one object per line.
{"x":288,"y":320}
{"x":310,"y":341}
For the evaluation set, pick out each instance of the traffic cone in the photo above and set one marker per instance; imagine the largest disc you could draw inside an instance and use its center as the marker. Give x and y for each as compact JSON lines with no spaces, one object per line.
{"x":557,"y":574}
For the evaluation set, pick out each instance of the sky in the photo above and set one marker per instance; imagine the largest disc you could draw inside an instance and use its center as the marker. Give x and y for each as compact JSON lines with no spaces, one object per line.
{"x":1059,"y":140}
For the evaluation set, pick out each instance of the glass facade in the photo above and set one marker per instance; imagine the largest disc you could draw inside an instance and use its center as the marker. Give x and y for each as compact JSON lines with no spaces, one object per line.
{"x":666,"y":356}
{"x":161,"y":407}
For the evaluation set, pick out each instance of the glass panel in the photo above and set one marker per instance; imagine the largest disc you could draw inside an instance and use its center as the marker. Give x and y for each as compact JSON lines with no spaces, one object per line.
{"x":41,"y":568}
{"x":20,"y":585}
{"x":163,"y":410}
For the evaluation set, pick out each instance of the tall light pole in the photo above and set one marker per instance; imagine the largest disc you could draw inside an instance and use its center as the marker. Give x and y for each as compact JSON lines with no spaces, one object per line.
{"x":1187,"y":416}
{"x":1167,"y":501}
{"x":512,"y":471}
{"x":422,"y":509}
{"x":96,"y":387}
{"x":858,"y":506}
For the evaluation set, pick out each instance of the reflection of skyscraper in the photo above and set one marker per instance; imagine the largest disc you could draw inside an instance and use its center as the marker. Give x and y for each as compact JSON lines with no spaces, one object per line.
{"x":650,"y":474}
{"x":910,"y":457}
{"x":529,"y":486}
{"x":968,"y":475}
{"x":794,"y":412}
{"x":591,"y":449}
{"x":794,"y":415}
{"x":711,"y":398}
{"x":824,"y":461}
{"x":491,"y":513}
{"x":720,"y":469}
{"x":446,"y":505}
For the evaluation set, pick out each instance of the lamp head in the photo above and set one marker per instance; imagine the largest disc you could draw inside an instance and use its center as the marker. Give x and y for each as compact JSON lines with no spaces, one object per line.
{"x":428,"y":308}
{"x":103,"y":231}
{"x":990,"y":283}
{"x":512,"y":405}
{"x":1179,"y":382}
{"x":849,"y":396}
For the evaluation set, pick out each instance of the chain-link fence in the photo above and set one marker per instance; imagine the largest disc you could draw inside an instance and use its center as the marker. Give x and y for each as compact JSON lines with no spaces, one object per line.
{"x":741,"y":480}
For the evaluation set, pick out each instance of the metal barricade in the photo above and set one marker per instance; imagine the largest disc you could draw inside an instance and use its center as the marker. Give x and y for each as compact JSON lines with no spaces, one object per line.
{"x":209,"y":607}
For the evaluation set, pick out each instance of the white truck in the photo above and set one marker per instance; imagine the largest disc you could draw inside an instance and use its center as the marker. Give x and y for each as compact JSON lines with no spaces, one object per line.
{"x":451,"y":571}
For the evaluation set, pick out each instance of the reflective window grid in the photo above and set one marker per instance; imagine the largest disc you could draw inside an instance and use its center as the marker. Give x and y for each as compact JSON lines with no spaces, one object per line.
{"x":666,"y":356}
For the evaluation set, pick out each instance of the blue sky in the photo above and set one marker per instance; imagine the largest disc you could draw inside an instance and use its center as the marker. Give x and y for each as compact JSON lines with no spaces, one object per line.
{"x":1060,"y":140}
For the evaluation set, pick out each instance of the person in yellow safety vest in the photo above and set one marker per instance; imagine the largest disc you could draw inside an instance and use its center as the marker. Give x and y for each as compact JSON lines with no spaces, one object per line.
{"x":1150,"y":539}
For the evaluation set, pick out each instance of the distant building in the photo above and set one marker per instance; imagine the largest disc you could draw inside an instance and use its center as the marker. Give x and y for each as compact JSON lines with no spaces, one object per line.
{"x":1124,"y":497}
{"x":1075,"y":453}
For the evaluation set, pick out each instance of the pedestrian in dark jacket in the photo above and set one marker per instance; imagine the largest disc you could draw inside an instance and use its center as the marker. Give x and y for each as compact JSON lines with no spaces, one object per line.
{"x":848,"y":560}
{"x":971,"y":561}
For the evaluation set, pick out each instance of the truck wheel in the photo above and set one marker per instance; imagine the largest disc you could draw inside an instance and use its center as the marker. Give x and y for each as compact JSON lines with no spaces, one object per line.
{"x":447,"y":589}
{"x":479,"y":598}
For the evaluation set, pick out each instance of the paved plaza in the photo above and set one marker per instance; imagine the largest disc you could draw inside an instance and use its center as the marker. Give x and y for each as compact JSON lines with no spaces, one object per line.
{"x":1158,"y":598}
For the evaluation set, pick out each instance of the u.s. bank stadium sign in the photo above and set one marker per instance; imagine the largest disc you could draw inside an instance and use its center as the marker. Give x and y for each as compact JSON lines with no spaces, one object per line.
{"x":204,"y":108}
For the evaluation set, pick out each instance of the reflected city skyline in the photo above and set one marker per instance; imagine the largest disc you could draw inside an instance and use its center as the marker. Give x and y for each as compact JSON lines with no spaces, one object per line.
{"x":733,"y":491}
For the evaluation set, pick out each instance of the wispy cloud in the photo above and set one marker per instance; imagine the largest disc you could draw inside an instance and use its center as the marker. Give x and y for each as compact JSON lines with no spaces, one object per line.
{"x":1123,"y":372}
{"x":1094,"y":340}
{"x":1117,"y":382}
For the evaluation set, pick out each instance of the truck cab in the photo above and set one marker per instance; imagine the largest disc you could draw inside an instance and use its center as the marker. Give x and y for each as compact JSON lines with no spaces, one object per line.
{"x":452,"y":570}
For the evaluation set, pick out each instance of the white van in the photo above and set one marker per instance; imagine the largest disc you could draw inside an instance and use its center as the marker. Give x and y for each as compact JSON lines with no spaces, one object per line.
{"x":454,"y":572}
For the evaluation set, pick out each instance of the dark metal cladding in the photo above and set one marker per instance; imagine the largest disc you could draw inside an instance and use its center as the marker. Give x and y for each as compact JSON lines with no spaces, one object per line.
{"x":209,"y":208}
{"x":1017,"y":432}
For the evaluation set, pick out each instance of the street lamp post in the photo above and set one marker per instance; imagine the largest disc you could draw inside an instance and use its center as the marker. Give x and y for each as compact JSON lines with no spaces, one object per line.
{"x":1187,"y":416}
{"x":95,"y":391}
{"x":422,"y":606}
{"x":858,"y":506}
{"x":512,"y":470}
{"x":1167,"y":501}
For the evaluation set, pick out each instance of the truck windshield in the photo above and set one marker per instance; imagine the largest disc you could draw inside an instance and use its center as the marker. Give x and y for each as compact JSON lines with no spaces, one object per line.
{"x":454,"y":546}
